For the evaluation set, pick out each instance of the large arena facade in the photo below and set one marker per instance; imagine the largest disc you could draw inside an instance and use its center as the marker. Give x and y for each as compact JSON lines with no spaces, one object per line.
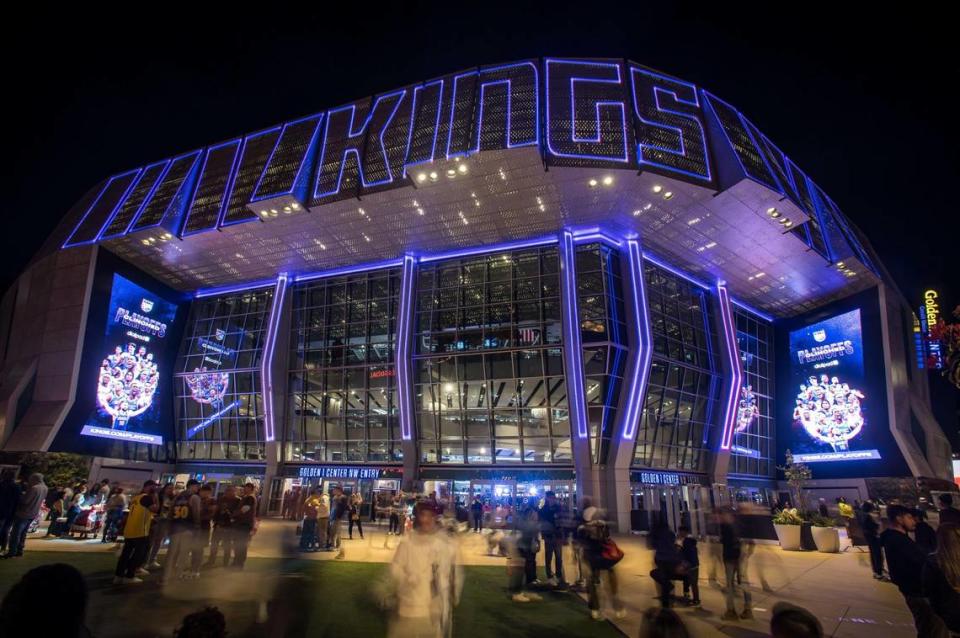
{"x":582,"y":275}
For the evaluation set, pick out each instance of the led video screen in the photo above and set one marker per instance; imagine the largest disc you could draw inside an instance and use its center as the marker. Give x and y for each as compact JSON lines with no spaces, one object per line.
{"x":135,"y":366}
{"x":832,"y":405}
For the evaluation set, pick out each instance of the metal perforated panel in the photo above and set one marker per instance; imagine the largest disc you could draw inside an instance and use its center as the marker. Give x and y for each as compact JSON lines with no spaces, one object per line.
{"x":170,"y":196}
{"x":508,"y":106}
{"x":748,"y":153}
{"x":586,"y":114}
{"x":139,"y":194}
{"x":100,"y":211}
{"x":427,"y":105}
{"x":669,"y":125}
{"x":461,"y":136}
{"x":289,"y":165}
{"x":208,"y":200}
{"x":391,"y":143}
{"x":256,"y":152}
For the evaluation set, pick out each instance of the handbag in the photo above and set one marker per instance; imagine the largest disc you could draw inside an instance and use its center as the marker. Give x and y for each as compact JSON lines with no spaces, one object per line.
{"x":609,"y":555}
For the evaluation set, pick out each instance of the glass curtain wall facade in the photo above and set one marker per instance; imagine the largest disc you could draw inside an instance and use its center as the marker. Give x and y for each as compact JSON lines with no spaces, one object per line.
{"x":488,"y":361}
{"x":219,"y":405}
{"x":753,"y":441}
{"x":604,"y":336}
{"x":342,"y":404}
{"x":684,"y":383}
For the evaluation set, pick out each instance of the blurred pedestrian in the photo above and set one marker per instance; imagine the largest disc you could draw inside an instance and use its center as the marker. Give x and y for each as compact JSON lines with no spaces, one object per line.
{"x":551,"y":529}
{"x":790,"y":621}
{"x":923,"y":534}
{"x":356,"y":503}
{"x":476,"y":511}
{"x":734,"y":575}
{"x":201,"y":539}
{"x":905,"y":562}
{"x":308,"y":530}
{"x":104,"y":492}
{"x":871,"y":532}
{"x":662,"y":623}
{"x":244,"y":524}
{"x":339,"y":506}
{"x":136,"y":536}
{"x":184,"y":523}
{"x":9,"y":499}
{"x":527,"y":527}
{"x":49,"y":597}
{"x":948,"y":513}
{"x":27,"y":509}
{"x":666,"y":560}
{"x":427,"y":578}
{"x":113,"y":514}
{"x":160,"y":529}
{"x":395,"y":505}
{"x":206,"y":623}
{"x":223,"y":532}
{"x":940,"y":578}
{"x":691,"y":558}
{"x":600,"y":555}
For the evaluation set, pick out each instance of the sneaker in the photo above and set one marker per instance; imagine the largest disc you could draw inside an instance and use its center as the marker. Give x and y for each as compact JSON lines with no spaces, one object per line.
{"x":730,"y":615}
{"x":520,"y":598}
{"x":747,"y":614}
{"x":142,"y":572}
{"x":536,"y":582}
{"x":534,"y":597}
{"x":154,"y":565}
{"x":595,"y":614}
{"x":552,"y":581}
{"x":696,"y":603}
{"x":132,"y":581}
{"x":620,"y":613}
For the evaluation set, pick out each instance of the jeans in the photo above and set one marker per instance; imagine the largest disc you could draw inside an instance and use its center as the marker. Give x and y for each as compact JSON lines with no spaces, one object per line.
{"x":201,"y":540}
{"x":158,"y":534}
{"x":110,"y":524}
{"x":593,"y":588}
{"x":221,"y":536}
{"x":359,"y":527}
{"x":394,"y":524}
{"x":732,"y":570}
{"x":553,"y":554}
{"x":333,"y":539}
{"x":691,"y":581}
{"x":132,"y":556}
{"x":18,"y":535}
{"x":180,"y":542}
{"x":240,"y":544}
{"x":876,"y":555}
{"x":308,"y":535}
{"x":478,"y":522}
{"x":5,"y":525}
{"x":323,"y":529}
{"x":529,"y":565}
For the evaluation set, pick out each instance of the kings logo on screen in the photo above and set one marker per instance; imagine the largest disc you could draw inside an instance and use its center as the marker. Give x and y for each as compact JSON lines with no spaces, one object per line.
{"x":131,"y":372}
{"x":830,"y":415}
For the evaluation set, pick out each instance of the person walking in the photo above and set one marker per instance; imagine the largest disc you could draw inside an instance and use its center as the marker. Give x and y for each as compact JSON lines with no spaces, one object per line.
{"x":308,"y":531}
{"x":223,"y":533}
{"x":595,"y":541}
{"x":940,"y":578}
{"x":113,"y":514}
{"x":551,"y":530}
{"x":136,"y":536}
{"x":871,"y":532}
{"x":732,"y":554}
{"x":476,"y":511}
{"x":9,"y":499}
{"x":339,"y":507}
{"x":184,"y":522}
{"x":691,"y":559}
{"x":27,"y":510}
{"x":427,"y":577}
{"x":905,"y":561}
{"x":244,"y":524}
{"x":527,"y":525}
{"x":666,"y":559}
{"x":201,"y":540}
{"x":356,"y":502}
{"x":395,"y":505}
{"x":323,"y":520}
{"x":160,"y":528}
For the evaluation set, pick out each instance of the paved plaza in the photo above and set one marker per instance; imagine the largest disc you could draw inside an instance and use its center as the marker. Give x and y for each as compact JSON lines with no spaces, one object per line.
{"x":837,"y":588}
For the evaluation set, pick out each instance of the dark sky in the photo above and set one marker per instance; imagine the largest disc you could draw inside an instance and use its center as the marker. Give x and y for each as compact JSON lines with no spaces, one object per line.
{"x":865,"y":108}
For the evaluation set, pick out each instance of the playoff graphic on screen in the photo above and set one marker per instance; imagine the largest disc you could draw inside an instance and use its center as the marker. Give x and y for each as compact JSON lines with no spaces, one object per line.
{"x":831,"y":413}
{"x":208,"y":385}
{"x":133,"y":365}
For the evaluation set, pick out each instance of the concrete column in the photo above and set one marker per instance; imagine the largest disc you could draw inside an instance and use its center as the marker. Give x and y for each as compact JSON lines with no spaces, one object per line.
{"x":274,"y":364}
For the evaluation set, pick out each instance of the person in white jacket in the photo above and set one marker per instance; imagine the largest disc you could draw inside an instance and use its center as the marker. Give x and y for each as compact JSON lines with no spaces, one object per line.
{"x":427,"y":578}
{"x":323,"y":519}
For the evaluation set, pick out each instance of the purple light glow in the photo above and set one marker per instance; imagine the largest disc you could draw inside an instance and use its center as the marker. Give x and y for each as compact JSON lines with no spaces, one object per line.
{"x":404,"y":389}
{"x":573,"y":354}
{"x":644,"y":346}
{"x":266,"y":365}
{"x":733,"y":359}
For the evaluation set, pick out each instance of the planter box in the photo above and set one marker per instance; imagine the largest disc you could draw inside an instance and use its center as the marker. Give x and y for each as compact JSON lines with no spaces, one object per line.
{"x":827,"y":539}
{"x":789,"y":536}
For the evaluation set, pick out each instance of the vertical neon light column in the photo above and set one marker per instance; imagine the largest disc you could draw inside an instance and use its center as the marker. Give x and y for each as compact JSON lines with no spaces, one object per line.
{"x":642,"y":354}
{"x":266,"y":361}
{"x":573,"y":350}
{"x":732,"y":352}
{"x":404,"y":342}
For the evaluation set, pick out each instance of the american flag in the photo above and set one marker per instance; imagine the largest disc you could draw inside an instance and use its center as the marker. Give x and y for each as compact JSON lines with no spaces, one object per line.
{"x":529,"y":336}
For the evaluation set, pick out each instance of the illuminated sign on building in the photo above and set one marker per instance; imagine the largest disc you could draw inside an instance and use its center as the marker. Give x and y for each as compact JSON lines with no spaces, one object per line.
{"x":339,"y":472}
{"x":665,"y":478}
{"x":929,"y":315}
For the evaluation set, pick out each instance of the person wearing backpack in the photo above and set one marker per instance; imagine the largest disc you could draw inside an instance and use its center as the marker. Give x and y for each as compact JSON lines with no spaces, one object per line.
{"x":601,"y":554}
{"x":666,"y":559}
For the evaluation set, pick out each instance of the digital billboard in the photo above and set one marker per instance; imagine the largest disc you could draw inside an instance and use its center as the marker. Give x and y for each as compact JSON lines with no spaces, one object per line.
{"x":831,"y":406}
{"x":134,"y":366}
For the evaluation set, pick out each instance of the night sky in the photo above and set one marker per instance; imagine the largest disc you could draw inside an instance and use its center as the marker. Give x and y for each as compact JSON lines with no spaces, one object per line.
{"x":864,"y":108}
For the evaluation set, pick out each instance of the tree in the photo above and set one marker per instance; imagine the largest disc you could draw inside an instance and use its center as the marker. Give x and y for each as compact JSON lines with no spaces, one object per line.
{"x":58,"y":468}
{"x":948,"y":334}
{"x":796,"y":474}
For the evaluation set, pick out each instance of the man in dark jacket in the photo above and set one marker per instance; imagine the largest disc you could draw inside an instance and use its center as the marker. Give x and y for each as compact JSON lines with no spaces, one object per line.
{"x":550,"y":519}
{"x":691,"y":559}
{"x":871,"y":530}
{"x":905,"y":561}
{"x":9,"y":498}
{"x":948,"y":513}
{"x":733,"y":567}
{"x":27,"y":510}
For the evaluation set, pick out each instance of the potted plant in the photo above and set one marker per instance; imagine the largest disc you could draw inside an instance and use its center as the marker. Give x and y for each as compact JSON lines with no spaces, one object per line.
{"x":825,"y":534}
{"x":787,"y":523}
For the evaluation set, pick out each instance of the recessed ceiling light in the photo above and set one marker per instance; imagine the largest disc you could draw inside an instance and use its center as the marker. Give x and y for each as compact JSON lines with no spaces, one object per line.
{"x":771,"y":210}
{"x":462,"y":168}
{"x":433,"y":175}
{"x":607,"y":180}
{"x":667,"y":195}
{"x":637,"y":212}
{"x":295,"y":206}
{"x":421,"y":177}
{"x":592,"y":182}
{"x":657,"y":188}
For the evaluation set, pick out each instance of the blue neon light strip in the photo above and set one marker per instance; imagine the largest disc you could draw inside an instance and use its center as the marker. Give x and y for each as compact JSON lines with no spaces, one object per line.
{"x":266,"y":365}
{"x":490,"y":248}
{"x":308,"y":151}
{"x":407,"y":164}
{"x":643,"y":349}
{"x":69,"y":242}
{"x":573,"y":349}
{"x":404,"y":342}
{"x":348,"y":270}
{"x":210,"y":419}
{"x":732,"y":351}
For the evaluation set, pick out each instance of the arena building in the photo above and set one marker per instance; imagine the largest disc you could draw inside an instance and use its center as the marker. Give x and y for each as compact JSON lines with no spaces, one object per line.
{"x":581,"y":275}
